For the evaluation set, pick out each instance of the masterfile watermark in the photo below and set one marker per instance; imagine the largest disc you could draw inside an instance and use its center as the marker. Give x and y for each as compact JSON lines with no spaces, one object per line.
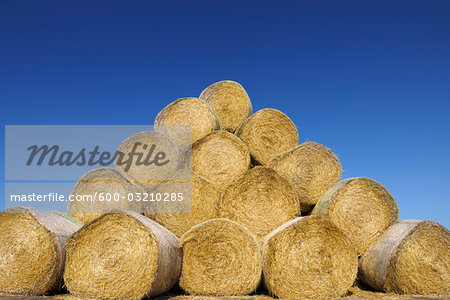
{"x":45,"y":166}
{"x":53,"y":156}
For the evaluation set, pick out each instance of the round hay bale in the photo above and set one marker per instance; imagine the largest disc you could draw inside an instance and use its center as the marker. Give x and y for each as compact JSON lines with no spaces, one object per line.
{"x":361,"y":207}
{"x":268,"y":133}
{"x":412,"y":257}
{"x":218,"y":157}
{"x":89,"y":196}
{"x":230,"y":102}
{"x":220,"y":258}
{"x":192,"y":112}
{"x":122,"y":255}
{"x":203,"y":204}
{"x":311,"y":169}
{"x":160,"y":158}
{"x":260,"y":200}
{"x":308,"y":257}
{"x":32,"y":250}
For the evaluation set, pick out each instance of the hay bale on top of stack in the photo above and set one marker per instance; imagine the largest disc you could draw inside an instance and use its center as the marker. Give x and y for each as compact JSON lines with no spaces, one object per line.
{"x":230,"y":102}
{"x":32,"y":250}
{"x":193,"y":112}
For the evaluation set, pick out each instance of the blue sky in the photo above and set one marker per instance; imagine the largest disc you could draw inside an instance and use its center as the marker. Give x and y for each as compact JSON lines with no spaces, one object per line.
{"x":369,"y":79}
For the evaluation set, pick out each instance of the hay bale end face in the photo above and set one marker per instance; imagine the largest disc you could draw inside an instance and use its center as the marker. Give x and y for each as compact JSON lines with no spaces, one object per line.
{"x":92,"y":190}
{"x":203,"y":206}
{"x":122,"y":255}
{"x":230,"y":102}
{"x":155,"y":158}
{"x":311,"y":169}
{"x":260,"y":200}
{"x":220,"y":258}
{"x":192,"y":112}
{"x":412,"y":257}
{"x":268,"y":133}
{"x":218,"y":157}
{"x":308,"y":257}
{"x":361,"y":207}
{"x":32,"y":250}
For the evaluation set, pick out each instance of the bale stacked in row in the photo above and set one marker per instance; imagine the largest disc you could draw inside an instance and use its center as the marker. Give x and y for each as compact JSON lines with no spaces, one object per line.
{"x":361,"y":207}
{"x":193,"y":112}
{"x":308,"y":257}
{"x":267,"y":133}
{"x":122,"y":255}
{"x":203,"y":206}
{"x":311,"y":169}
{"x":32,"y":250}
{"x":413,"y":257}
{"x":146,"y":158}
{"x":220,"y":257}
{"x":260,"y":200}
{"x":92,"y":191}
{"x":218,"y":157}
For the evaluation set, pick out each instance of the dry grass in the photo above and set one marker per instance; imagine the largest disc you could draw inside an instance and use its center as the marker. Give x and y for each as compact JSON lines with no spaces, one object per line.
{"x":220,"y":257}
{"x":311,"y":169}
{"x":359,"y":291}
{"x":148,"y":176}
{"x":413,"y":257}
{"x":98,"y":183}
{"x":230,"y":102}
{"x":32,"y":250}
{"x":361,"y":207}
{"x":309,"y":257}
{"x":260,"y":200}
{"x":122,"y":255}
{"x":192,"y":112}
{"x":253,"y":297}
{"x":218,"y":157}
{"x":203,"y":206}
{"x":268,"y":133}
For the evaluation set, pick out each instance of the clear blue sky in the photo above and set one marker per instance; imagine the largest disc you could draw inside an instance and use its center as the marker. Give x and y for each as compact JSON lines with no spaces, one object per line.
{"x":369,"y":79}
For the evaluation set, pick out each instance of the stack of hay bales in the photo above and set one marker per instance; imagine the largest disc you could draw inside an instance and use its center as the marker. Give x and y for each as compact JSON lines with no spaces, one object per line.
{"x":249,"y":168}
{"x":264,"y":208}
